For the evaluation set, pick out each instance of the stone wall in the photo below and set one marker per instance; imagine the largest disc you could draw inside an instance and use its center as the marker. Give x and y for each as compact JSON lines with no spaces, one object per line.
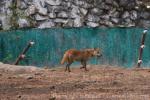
{"x":74,"y":13}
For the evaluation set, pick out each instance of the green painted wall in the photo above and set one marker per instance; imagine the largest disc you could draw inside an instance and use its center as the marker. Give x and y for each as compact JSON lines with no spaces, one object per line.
{"x":119,"y":45}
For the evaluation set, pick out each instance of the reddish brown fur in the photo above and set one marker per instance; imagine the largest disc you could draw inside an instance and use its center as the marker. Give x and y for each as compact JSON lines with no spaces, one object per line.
{"x":75,"y":55}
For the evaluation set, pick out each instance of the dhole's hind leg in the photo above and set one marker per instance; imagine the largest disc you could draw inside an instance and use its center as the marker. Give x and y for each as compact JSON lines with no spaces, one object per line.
{"x":68,"y":67}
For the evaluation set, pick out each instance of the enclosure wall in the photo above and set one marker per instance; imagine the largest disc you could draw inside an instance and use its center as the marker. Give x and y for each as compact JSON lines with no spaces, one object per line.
{"x":119,"y":46}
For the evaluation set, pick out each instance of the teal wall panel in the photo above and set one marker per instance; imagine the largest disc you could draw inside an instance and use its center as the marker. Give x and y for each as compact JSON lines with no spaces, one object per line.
{"x":119,"y":45}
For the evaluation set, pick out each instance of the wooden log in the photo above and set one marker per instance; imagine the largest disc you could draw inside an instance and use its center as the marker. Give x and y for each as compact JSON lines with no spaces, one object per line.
{"x":141,"y":48}
{"x":22,"y":55}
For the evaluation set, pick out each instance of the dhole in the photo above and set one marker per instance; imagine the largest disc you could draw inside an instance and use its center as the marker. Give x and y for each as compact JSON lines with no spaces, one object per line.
{"x":72,"y":55}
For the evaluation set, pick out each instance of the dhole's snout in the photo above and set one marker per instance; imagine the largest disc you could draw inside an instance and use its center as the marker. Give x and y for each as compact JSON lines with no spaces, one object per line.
{"x":99,"y":55}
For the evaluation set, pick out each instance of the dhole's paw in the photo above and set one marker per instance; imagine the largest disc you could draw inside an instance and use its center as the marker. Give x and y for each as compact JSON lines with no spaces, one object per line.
{"x":69,"y":71}
{"x":81,"y":67}
{"x":86,"y":70}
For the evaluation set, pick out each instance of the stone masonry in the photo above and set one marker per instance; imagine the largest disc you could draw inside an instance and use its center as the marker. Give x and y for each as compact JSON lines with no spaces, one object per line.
{"x":74,"y":13}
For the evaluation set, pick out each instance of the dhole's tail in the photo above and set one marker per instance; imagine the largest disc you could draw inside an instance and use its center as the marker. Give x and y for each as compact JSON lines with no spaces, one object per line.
{"x":63,"y":59}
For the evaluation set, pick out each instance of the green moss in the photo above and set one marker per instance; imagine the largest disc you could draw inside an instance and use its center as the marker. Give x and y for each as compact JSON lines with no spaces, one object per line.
{"x":8,"y":58}
{"x":17,"y":13}
{"x":14,"y":17}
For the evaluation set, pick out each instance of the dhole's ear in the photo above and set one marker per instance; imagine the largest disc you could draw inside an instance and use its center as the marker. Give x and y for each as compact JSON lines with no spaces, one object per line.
{"x":96,"y":49}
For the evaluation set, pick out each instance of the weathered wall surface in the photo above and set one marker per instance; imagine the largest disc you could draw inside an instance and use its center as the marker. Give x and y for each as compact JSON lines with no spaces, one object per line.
{"x":74,"y":13}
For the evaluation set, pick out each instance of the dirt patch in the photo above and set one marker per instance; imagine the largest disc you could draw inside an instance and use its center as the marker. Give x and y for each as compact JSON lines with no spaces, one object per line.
{"x":100,"y":82}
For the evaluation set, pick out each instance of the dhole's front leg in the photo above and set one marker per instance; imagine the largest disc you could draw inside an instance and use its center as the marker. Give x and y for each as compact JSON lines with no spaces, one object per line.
{"x":83,"y":65}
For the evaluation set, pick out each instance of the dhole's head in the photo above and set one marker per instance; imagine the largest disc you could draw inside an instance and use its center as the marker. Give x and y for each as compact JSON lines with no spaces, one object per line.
{"x":95,"y":52}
